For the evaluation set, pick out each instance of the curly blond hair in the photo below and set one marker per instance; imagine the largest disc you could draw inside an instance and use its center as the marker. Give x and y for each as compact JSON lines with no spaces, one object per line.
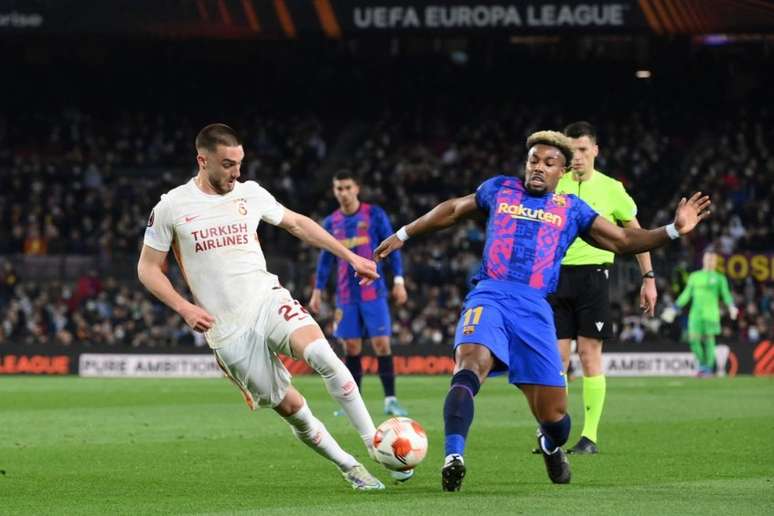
{"x":553,"y":139}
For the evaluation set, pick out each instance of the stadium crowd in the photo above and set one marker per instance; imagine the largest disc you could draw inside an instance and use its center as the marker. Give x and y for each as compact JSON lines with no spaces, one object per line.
{"x":86,"y":188}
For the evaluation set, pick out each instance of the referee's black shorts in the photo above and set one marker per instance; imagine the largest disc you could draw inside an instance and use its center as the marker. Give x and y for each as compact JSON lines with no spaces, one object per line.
{"x":581,"y":302}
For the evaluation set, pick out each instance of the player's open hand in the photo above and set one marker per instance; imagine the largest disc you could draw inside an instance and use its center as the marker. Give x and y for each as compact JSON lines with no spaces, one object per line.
{"x":691,"y":211}
{"x":388,"y":245}
{"x":365,"y":269}
{"x":197,"y":318}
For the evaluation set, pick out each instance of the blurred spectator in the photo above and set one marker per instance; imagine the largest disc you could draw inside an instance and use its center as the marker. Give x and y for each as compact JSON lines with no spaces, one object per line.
{"x":86,"y":188}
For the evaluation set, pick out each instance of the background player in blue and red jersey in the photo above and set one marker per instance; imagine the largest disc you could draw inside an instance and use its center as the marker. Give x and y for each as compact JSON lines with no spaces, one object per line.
{"x":362,"y":311}
{"x":506,"y":323}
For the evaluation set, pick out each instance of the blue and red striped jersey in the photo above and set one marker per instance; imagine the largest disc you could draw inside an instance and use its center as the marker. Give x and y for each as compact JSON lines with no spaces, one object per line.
{"x":528,"y":235}
{"x":361,"y":232}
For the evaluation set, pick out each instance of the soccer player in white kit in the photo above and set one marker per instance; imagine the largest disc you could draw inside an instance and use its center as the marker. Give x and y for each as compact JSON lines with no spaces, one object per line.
{"x":210,"y":224}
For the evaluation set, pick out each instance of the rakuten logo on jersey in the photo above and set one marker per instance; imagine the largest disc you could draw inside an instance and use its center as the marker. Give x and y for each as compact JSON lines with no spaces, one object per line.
{"x":357,"y":241}
{"x":519,"y":211}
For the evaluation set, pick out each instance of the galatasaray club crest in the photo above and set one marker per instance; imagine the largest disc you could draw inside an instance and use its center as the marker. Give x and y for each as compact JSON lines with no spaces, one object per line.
{"x":241,"y":206}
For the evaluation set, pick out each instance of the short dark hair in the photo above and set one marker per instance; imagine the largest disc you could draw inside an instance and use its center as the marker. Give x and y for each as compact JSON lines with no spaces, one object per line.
{"x":216,"y":134}
{"x":345,"y":173}
{"x":581,"y":128}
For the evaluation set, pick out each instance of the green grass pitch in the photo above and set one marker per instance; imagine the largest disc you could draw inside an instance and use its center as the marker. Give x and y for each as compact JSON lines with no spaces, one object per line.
{"x":88,"y":446}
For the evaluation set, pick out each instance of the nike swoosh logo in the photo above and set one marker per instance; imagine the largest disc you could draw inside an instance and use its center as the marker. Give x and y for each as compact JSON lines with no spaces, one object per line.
{"x":189,"y":219}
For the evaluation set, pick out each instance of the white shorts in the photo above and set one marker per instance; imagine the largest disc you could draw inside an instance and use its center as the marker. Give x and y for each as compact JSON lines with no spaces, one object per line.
{"x":250,"y":360}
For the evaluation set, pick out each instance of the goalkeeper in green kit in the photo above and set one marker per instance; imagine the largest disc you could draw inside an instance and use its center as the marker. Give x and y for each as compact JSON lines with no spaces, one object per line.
{"x":703,"y":289}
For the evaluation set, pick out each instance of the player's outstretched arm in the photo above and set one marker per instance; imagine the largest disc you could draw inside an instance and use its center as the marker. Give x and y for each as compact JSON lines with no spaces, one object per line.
{"x":606,"y":235}
{"x":309,"y":231}
{"x":444,"y":215}
{"x":150,"y":271}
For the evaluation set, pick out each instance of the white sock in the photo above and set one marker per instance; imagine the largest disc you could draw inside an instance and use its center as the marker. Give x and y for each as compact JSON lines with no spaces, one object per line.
{"x":340,"y":384}
{"x":313,"y":433}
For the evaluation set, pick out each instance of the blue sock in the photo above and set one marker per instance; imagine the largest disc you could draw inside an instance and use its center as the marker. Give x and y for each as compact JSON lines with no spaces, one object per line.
{"x":555,"y":434}
{"x":387,"y":374}
{"x":458,"y":410}
{"x":355,"y":366}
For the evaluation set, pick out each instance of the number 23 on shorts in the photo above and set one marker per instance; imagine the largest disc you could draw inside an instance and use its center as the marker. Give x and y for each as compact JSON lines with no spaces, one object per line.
{"x":289,"y":311}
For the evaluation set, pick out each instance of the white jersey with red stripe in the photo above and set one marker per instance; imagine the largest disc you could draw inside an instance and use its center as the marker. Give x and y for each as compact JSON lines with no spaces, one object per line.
{"x":215,"y":241}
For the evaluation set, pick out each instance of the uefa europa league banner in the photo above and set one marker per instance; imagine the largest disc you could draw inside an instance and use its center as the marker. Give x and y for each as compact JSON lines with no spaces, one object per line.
{"x":289,"y":19}
{"x":467,"y":16}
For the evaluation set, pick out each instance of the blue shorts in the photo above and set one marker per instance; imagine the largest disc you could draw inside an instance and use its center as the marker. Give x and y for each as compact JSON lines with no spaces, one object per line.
{"x":517,"y":326}
{"x":363,"y":320}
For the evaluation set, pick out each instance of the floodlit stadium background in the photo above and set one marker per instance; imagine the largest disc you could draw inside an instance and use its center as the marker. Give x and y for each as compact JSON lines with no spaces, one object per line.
{"x":99,"y":106}
{"x":424,"y":99}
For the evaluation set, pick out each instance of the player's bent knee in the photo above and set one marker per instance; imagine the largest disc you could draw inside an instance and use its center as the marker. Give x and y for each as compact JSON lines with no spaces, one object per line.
{"x":556,"y":413}
{"x":303,"y":337}
{"x":381,"y":346}
{"x":353,"y":347}
{"x":549,"y":413}
{"x":550,"y":403}
{"x":323,"y":360}
{"x":320,"y":357}
{"x":290,"y":404}
{"x":476,"y":358}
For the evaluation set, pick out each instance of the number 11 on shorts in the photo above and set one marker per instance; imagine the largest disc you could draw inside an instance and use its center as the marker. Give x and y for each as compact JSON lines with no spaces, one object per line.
{"x":475,"y":314}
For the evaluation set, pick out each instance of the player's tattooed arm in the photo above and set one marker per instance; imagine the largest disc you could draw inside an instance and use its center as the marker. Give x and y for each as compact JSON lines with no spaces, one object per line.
{"x":442,"y":216}
{"x":150,"y":271}
{"x":606,"y":235}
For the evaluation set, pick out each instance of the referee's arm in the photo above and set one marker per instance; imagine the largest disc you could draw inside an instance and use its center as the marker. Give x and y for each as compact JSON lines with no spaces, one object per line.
{"x":648,"y":292}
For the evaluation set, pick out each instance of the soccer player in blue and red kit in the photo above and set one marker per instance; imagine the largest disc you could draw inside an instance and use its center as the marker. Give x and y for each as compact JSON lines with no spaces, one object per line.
{"x":506,"y":324}
{"x":362,"y":311}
